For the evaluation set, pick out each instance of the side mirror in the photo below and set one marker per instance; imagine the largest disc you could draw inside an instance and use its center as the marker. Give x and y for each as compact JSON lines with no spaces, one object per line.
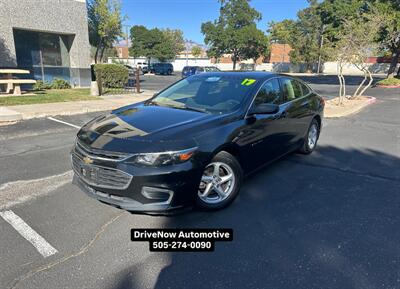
{"x":264,"y":108}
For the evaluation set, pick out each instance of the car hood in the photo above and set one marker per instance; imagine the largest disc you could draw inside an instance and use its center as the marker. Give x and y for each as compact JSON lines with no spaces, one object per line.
{"x":144,"y":127}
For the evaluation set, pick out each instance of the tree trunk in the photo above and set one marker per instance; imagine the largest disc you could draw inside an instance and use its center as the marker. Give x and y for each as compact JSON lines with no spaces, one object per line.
{"x":362,"y":83}
{"x":102,"y":53}
{"x":97,"y":51}
{"x":339,"y":72}
{"x":234,"y":59}
{"x":371,"y":79}
{"x":393,"y":63}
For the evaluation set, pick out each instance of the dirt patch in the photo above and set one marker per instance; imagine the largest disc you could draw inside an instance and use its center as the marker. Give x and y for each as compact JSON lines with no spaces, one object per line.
{"x":349,"y":106}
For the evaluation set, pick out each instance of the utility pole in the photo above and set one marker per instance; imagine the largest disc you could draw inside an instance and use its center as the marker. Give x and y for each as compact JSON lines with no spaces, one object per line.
{"x":187,"y":52}
{"x":321,"y":44}
{"x":127,"y":42}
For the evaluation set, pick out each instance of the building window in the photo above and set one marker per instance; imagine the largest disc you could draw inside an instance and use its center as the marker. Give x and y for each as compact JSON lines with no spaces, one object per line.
{"x":37,"y":48}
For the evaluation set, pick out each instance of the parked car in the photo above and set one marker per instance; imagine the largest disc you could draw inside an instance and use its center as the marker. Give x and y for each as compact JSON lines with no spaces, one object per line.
{"x":247,"y":67}
{"x":192,"y":143}
{"x":131,"y":75}
{"x":131,"y":70}
{"x":192,"y":70}
{"x":144,"y":67}
{"x":162,"y":68}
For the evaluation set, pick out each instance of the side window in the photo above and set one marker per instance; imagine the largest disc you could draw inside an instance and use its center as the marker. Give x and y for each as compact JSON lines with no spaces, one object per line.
{"x":304,"y":89}
{"x":291,"y":88}
{"x":269,"y":93}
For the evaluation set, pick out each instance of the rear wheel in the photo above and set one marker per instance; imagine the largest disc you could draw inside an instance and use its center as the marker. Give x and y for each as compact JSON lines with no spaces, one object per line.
{"x":311,"y":138}
{"x":220,"y":183}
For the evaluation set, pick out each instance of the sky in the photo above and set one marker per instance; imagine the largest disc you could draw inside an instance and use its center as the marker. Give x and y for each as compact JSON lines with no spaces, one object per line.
{"x":188,"y":15}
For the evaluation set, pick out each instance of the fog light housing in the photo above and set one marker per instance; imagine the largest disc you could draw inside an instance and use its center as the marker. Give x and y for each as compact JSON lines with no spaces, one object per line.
{"x":157,"y":194}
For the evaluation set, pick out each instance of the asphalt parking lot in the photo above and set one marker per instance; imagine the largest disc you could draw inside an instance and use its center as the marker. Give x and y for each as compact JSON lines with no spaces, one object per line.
{"x":328,"y":220}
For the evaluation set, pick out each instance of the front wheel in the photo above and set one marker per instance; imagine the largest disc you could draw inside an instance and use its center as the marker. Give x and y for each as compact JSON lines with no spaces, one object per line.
{"x":311,"y":138}
{"x":220,"y":183}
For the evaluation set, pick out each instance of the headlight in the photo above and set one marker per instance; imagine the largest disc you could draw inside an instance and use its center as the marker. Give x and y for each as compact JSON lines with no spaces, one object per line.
{"x":164,"y":158}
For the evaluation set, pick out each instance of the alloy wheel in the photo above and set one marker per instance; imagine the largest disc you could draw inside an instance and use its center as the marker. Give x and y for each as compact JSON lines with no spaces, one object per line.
{"x":217,"y":183}
{"x":312,"y":136}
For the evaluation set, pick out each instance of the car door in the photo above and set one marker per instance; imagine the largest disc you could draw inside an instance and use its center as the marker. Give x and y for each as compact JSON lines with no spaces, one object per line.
{"x":263,"y":136}
{"x":298,"y":111}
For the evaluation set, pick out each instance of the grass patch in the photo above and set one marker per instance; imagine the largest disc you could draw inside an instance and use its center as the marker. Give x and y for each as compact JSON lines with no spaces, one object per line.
{"x":49,"y":96}
{"x":389,"y":81}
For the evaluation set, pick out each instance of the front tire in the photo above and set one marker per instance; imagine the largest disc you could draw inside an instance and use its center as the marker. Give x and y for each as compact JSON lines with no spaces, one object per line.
{"x":311,"y":138}
{"x":220,"y":183}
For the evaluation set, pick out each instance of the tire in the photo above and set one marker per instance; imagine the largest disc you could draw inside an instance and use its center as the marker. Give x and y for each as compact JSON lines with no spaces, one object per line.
{"x":227,"y":165}
{"x":169,"y":72}
{"x":313,"y":132}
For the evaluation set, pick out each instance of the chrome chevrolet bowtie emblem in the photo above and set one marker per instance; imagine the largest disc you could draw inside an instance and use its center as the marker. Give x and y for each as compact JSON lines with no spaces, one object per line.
{"x":87,"y":160}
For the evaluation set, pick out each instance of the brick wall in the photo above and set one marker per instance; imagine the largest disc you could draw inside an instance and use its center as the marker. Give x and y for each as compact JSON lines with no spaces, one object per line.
{"x":280,"y":53}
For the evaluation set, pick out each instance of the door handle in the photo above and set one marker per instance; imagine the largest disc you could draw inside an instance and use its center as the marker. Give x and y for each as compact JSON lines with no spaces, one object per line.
{"x":305,"y":104}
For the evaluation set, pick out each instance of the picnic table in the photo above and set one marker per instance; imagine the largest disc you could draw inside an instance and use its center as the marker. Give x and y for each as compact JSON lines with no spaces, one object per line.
{"x":14,"y":84}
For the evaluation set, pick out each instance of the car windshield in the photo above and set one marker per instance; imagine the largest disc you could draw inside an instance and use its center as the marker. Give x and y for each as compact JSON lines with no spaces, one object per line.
{"x":209,"y":94}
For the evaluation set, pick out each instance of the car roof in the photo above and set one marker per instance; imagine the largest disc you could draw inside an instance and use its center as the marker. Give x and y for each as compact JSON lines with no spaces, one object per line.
{"x":259,"y":75}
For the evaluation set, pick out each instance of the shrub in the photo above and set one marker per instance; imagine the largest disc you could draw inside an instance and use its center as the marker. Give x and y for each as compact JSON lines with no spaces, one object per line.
{"x":389,"y":81}
{"x":111,"y":75}
{"x":40,"y":85}
{"x":60,"y":84}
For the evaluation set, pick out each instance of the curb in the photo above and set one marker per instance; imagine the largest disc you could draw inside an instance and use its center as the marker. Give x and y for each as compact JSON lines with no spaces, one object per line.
{"x":370,"y":101}
{"x":388,"y":86}
{"x":9,"y":115}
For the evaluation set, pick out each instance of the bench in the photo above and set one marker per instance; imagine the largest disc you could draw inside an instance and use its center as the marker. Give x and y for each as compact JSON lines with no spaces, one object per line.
{"x":14,"y":84}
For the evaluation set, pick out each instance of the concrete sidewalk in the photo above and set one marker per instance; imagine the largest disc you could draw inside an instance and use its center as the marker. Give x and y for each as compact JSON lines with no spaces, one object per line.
{"x":109,"y":102}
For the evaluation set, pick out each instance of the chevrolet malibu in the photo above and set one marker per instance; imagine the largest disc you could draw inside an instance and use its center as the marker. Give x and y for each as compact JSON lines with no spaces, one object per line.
{"x":192,"y":143}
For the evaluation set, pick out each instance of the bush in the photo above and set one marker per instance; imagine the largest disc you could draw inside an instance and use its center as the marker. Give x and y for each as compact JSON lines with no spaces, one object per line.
{"x":60,"y":84}
{"x":111,"y":75}
{"x":40,"y":85}
{"x":389,"y":81}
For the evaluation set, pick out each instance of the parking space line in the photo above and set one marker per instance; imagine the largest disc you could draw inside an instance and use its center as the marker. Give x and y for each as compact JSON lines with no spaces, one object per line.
{"x":63,"y":122}
{"x":43,"y":247}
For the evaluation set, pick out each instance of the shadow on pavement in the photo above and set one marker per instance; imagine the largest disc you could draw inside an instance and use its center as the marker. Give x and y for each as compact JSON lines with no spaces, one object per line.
{"x":328,"y":220}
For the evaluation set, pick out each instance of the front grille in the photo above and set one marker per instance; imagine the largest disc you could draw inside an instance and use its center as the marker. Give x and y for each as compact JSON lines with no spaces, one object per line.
{"x":84,"y":150}
{"x":99,"y":176}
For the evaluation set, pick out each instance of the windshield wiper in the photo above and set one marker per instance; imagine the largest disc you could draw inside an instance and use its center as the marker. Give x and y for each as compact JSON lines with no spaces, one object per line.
{"x":194,"y":108}
{"x":185,"y":107}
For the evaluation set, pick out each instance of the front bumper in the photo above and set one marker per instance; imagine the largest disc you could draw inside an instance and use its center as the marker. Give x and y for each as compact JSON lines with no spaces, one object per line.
{"x":177,"y":185}
{"x":124,"y":203}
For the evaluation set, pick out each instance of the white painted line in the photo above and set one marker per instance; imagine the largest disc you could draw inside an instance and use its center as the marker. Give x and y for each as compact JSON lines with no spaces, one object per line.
{"x":28,"y":233}
{"x":63,"y":122}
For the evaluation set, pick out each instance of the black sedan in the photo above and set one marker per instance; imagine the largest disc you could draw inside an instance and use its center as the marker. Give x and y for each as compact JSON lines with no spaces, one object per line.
{"x":192,"y":143}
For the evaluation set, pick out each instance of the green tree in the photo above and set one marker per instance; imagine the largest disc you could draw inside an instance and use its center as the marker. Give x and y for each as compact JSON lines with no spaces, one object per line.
{"x":350,"y":33}
{"x":283,"y":31}
{"x":156,"y":43}
{"x":105,"y":25}
{"x":304,"y":35}
{"x":196,"y":51}
{"x":386,"y":15}
{"x":229,"y":34}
